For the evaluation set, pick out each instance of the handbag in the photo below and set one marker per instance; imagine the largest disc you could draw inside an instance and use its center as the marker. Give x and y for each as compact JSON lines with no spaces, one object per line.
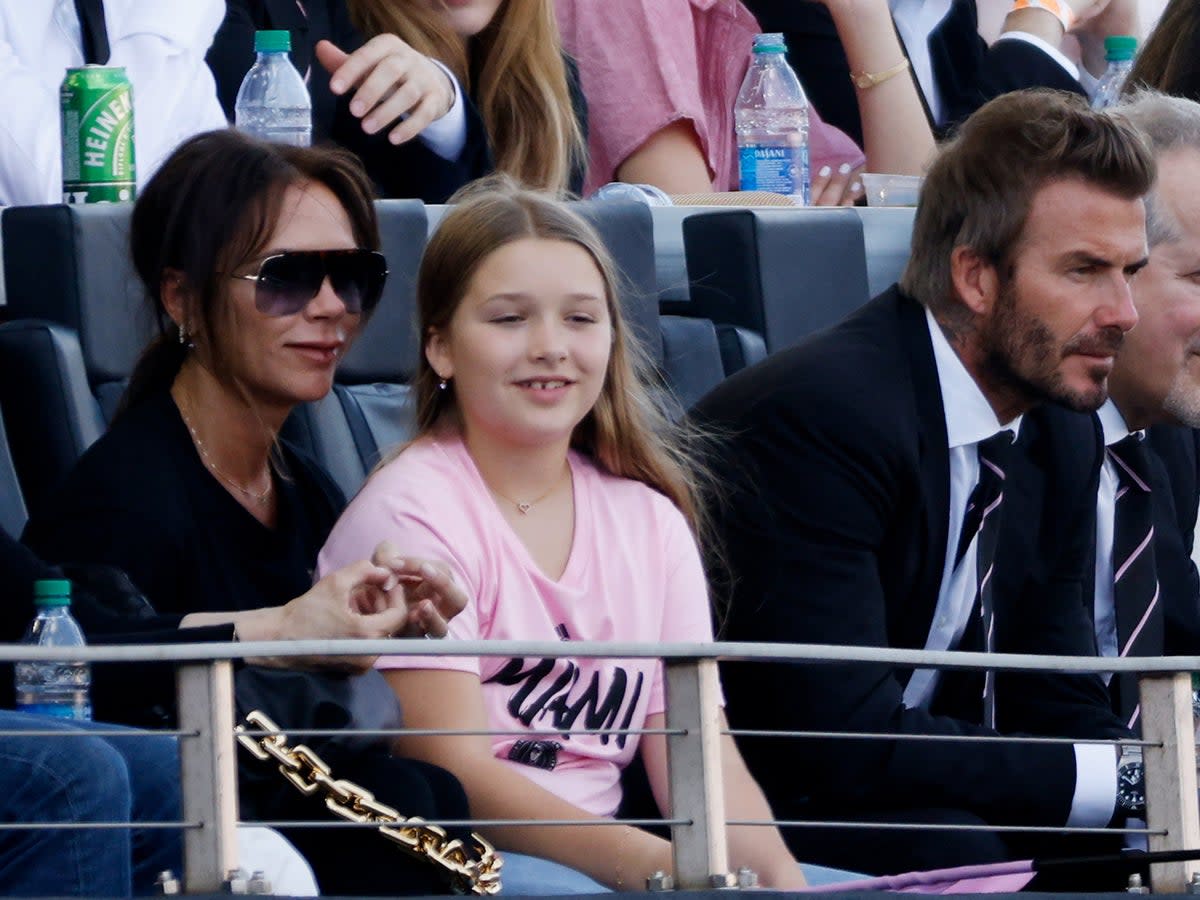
{"x":275,"y":701}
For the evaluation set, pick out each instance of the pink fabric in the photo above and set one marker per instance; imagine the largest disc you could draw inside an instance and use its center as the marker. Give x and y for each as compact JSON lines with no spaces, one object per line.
{"x":634,"y":574}
{"x":996,"y":878}
{"x":644,"y":64}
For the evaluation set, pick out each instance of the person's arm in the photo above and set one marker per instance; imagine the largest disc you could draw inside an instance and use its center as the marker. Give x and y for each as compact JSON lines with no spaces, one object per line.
{"x":896,"y":135}
{"x":617,"y":855}
{"x":759,"y":847}
{"x":671,"y":159}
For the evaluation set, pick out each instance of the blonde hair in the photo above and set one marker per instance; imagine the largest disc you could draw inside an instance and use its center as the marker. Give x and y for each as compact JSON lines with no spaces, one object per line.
{"x":515,"y":73}
{"x":626,"y":433}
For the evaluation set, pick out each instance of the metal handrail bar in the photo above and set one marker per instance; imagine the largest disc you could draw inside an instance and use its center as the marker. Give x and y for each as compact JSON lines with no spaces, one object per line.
{"x":92,"y":732}
{"x":473,"y":823}
{"x":95,"y":826}
{"x":948,"y":738}
{"x":721,"y":650}
{"x":448,"y":732}
{"x":916,"y":826}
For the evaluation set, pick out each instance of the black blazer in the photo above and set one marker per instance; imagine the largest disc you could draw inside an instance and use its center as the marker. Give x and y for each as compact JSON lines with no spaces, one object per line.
{"x":835,"y":526}
{"x":408,"y":170}
{"x":968,"y":72}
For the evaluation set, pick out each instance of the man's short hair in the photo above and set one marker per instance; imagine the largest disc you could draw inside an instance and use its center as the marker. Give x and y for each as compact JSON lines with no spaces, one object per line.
{"x":1168,"y":124}
{"x":979,"y":190}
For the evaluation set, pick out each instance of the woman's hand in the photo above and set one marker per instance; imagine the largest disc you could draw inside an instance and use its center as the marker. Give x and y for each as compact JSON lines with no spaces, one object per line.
{"x":389,"y":80}
{"x":840,"y":187}
{"x":431,"y":596}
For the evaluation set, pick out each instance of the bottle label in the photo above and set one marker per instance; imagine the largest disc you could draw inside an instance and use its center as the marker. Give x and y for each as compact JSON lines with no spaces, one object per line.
{"x":780,"y":170}
{"x":77,"y":711}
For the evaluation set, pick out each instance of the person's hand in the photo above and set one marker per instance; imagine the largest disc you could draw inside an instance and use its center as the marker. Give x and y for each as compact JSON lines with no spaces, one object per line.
{"x":836,"y":187}
{"x":431,"y":596}
{"x":361,"y":600}
{"x":389,"y":79}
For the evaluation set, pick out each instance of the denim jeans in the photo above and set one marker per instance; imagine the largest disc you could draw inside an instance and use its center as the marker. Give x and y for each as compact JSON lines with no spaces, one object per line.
{"x":531,"y":876}
{"x":86,"y":779}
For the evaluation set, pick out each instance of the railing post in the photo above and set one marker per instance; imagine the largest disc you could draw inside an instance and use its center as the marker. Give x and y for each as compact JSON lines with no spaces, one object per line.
{"x":208,"y":773}
{"x":694,"y":761}
{"x":1171,"y":803}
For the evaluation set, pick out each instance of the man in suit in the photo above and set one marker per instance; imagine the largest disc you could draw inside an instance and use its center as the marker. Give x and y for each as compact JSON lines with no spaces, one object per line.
{"x":439,"y":147}
{"x":866,"y":472}
{"x":955,"y":69}
{"x":1147,"y":594}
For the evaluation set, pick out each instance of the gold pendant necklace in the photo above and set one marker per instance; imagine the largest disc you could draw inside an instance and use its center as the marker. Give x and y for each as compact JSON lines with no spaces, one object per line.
{"x":259,"y":498}
{"x":524,"y":506}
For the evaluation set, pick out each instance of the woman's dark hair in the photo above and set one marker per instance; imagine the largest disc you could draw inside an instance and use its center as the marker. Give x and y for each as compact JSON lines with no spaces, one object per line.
{"x":1170,"y":60}
{"x":210,"y":209}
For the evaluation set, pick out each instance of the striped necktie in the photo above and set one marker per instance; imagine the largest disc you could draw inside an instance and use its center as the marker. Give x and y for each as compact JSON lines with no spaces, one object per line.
{"x":982,"y":520}
{"x":1135,"y":576}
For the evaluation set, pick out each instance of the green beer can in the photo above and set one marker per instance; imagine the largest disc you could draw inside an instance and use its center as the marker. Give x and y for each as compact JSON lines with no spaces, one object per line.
{"x":97,"y":136}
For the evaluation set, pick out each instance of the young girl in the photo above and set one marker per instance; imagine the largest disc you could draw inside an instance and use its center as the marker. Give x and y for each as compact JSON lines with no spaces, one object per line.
{"x":508,"y":59}
{"x":544,"y":478}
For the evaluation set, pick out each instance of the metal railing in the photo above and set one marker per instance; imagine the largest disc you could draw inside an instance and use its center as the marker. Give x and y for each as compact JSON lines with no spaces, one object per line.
{"x":696,"y":818}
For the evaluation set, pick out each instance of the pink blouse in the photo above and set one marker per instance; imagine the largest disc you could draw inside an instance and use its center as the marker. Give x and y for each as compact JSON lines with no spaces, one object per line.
{"x":647,"y":63}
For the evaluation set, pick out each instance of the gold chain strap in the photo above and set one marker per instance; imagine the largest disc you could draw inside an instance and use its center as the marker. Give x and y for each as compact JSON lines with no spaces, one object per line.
{"x":472,"y":868}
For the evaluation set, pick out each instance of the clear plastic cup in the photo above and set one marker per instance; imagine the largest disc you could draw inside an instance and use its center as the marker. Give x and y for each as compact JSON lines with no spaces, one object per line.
{"x":891,"y":190}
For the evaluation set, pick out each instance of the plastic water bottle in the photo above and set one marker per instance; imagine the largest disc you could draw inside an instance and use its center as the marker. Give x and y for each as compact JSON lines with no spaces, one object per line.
{"x":1118,"y":50}
{"x":771,"y":121}
{"x":273,"y":102}
{"x":54,"y":688}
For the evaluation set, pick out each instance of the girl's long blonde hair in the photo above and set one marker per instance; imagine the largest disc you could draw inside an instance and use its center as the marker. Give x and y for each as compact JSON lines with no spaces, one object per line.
{"x":515,"y":73}
{"x":626,"y":432}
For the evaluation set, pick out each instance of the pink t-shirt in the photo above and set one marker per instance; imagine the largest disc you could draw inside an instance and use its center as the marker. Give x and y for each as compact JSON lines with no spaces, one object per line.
{"x":634,"y":574}
{"x":644,"y":64}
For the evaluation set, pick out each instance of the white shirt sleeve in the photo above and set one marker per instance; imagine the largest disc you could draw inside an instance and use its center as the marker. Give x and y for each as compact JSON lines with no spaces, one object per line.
{"x":30,"y":151}
{"x":1049,"y":49}
{"x":1095,"y":797}
{"x":448,"y":135}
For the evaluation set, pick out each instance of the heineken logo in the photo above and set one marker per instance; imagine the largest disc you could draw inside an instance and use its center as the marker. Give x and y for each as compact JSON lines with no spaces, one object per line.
{"x":113,"y":118}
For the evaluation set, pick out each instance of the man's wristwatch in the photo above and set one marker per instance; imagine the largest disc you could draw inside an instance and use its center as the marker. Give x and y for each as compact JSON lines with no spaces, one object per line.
{"x":1131,"y":783}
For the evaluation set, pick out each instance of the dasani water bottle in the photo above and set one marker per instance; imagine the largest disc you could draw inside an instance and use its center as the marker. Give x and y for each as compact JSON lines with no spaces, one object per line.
{"x":273,"y":102}
{"x":1118,"y":51}
{"x":771,"y":121}
{"x":59,"y":688}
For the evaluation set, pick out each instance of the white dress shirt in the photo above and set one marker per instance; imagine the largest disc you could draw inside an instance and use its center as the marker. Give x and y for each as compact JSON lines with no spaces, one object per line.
{"x":160,"y":43}
{"x":915,"y":21}
{"x":969,"y":420}
{"x":1105,"y":616}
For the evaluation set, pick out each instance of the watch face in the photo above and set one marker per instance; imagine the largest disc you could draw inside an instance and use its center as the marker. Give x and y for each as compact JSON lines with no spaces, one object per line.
{"x":1131,"y":787}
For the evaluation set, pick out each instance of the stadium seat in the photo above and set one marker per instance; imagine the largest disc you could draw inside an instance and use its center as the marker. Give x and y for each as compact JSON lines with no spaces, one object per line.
{"x":778,"y":274}
{"x":12,"y":503}
{"x":887,"y":238}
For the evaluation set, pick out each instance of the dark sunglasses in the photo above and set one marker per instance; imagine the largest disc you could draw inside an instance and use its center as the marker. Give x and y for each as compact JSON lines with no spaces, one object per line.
{"x":287,"y":282}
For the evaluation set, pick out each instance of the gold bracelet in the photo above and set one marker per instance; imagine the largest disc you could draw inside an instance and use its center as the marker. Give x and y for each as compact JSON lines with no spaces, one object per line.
{"x":864,"y":80}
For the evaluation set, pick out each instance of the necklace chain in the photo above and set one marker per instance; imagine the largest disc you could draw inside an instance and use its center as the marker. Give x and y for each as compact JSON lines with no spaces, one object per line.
{"x":525,"y":506}
{"x":259,"y":498}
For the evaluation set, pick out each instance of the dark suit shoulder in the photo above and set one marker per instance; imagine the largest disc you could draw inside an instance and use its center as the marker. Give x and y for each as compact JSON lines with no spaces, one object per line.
{"x":844,"y":378}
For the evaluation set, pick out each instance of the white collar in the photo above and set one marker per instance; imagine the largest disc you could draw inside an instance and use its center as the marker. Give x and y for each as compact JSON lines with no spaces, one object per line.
{"x":1113,"y":423}
{"x":969,"y":417}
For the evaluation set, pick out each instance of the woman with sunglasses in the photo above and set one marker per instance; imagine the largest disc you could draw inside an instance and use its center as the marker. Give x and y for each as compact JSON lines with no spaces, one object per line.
{"x":262,"y":263}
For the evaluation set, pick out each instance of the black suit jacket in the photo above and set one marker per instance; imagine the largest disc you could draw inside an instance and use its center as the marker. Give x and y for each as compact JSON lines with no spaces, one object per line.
{"x":967,"y":71}
{"x":835,"y":528}
{"x":408,"y":170}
